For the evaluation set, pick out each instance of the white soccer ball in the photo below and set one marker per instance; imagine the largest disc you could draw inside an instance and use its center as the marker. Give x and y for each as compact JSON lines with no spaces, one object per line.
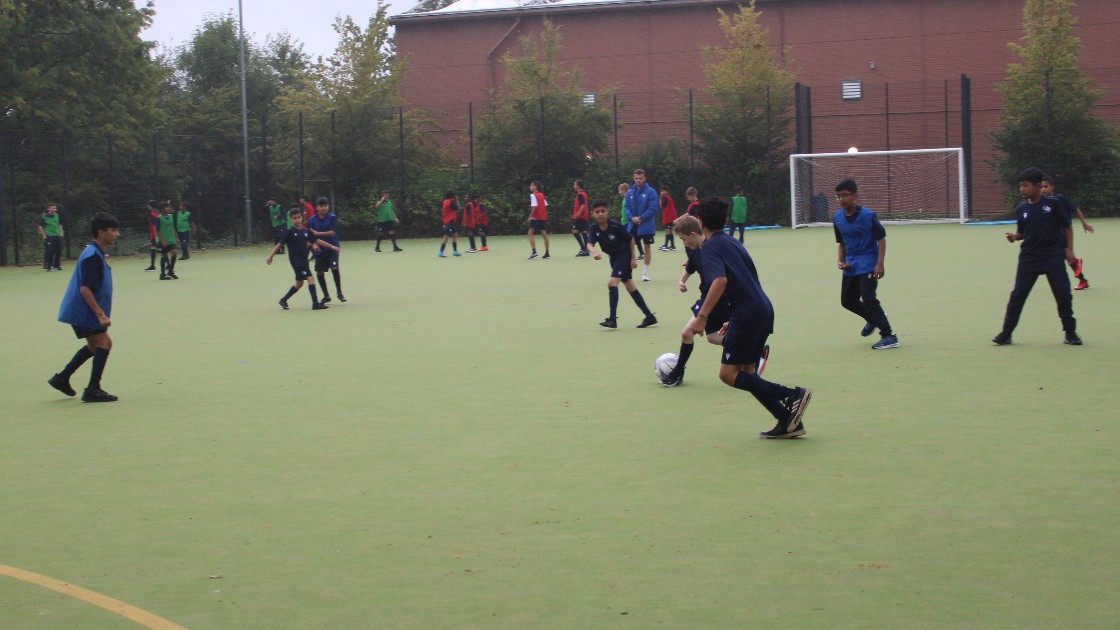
{"x":664,"y":364}
{"x":853,"y":150}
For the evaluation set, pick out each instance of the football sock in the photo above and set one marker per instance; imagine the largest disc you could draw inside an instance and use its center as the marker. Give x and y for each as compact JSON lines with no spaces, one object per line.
{"x":768,"y":394}
{"x":314,"y":294}
{"x":100,"y":357}
{"x":290,"y":293}
{"x":171,"y":265}
{"x":645,"y":269}
{"x":579,"y":241}
{"x":672,"y":240}
{"x":682,"y":356}
{"x":641,"y":302}
{"x":152,"y":264}
{"x":80,"y":357}
{"x":454,"y":246}
{"x":482,"y":237}
{"x":163,"y":266}
{"x":471,"y":239}
{"x":442,"y":246}
{"x":613,"y":292}
{"x":323,"y":283}
{"x":378,"y":244}
{"x":337,"y":281}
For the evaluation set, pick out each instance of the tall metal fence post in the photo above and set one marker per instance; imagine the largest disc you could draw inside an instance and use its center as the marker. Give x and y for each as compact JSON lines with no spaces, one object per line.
{"x":540,"y":142}
{"x":334,"y":137}
{"x":155,"y":168}
{"x":3,"y":232}
{"x":66,"y":219}
{"x":400,"y":118}
{"x":769,"y":162}
{"x":112,"y":173}
{"x":302,"y":175}
{"x":617,"y":170}
{"x":691,"y":143}
{"x":197,"y":193}
{"x":15,"y":204}
{"x":470,"y":136}
{"x":966,"y":138}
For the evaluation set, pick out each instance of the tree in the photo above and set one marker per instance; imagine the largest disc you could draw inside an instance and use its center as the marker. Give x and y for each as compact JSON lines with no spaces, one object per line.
{"x":1048,"y":102}
{"x":538,"y":125}
{"x":744,"y":131}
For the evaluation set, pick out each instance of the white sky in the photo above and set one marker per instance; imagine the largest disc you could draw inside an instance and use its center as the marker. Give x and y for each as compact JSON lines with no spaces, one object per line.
{"x":307,"y":20}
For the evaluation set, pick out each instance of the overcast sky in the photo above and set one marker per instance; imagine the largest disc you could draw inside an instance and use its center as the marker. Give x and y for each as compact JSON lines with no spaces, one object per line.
{"x":308,"y":20}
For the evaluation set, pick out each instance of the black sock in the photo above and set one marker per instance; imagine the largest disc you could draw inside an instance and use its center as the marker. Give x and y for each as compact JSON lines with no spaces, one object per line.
{"x":641,"y":302}
{"x":454,"y":246}
{"x":314,"y":294}
{"x":768,"y":394}
{"x":100,"y":357}
{"x":80,"y":357}
{"x":682,"y":357}
{"x":291,"y":291}
{"x":152,"y":264}
{"x":378,"y":245}
{"x":483,"y":237}
{"x":323,"y":283}
{"x":579,"y":241}
{"x":171,"y":265}
{"x":672,"y":240}
{"x":471,"y":238}
{"x":337,"y":281}
{"x":442,"y":246}
{"x":163,"y":266}
{"x":393,"y":237}
{"x":613,"y":293}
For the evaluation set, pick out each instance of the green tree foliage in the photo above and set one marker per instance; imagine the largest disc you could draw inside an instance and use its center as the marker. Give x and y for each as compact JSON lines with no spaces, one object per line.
{"x":1048,"y":102}
{"x":743,"y":132}
{"x":75,"y":65}
{"x":538,"y":127}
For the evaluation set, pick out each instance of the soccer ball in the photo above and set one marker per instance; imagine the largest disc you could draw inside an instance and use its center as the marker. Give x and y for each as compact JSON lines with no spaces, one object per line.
{"x":664,"y":364}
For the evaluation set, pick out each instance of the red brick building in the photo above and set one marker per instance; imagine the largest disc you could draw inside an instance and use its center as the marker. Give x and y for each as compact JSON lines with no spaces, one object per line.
{"x":906,"y":55}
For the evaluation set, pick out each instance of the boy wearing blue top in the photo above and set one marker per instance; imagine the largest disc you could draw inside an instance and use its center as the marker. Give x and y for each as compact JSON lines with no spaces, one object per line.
{"x":86,"y":306}
{"x":1047,"y":235}
{"x":297,"y":239}
{"x":732,"y":276}
{"x":324,"y":224}
{"x":862,"y":249}
{"x":618,"y":245}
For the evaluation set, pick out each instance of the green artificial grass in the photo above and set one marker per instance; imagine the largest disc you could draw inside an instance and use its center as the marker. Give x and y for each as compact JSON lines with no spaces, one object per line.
{"x":461,"y":445}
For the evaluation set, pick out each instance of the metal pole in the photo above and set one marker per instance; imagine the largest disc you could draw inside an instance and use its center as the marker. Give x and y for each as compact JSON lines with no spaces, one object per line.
{"x":887,"y":106}
{"x":65,"y":190}
{"x":470,"y":136}
{"x":400,"y":116}
{"x":541,"y":143}
{"x":197,"y":193}
{"x":769,"y":161}
{"x":966,"y":137}
{"x":3,"y":233}
{"x":245,"y":128}
{"x":15,"y":216}
{"x":302,"y":176}
{"x":691,"y":144}
{"x":112,"y":175}
{"x":617,"y":170}
{"x":334,"y":136}
{"x":155,"y":168}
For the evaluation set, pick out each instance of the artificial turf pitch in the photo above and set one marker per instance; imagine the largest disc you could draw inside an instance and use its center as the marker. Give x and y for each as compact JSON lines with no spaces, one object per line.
{"x":461,"y":445}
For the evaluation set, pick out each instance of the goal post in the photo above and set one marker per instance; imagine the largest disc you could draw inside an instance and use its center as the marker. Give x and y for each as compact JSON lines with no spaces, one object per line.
{"x":905,"y":186}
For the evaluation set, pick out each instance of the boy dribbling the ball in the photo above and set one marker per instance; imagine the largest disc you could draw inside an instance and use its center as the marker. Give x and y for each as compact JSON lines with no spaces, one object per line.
{"x":618,"y":245}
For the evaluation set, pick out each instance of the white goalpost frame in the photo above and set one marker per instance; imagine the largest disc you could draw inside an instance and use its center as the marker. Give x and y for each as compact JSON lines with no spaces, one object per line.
{"x":961,"y":185}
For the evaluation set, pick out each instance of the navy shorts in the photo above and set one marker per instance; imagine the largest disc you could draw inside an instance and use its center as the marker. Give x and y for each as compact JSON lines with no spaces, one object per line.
{"x":482,"y":230}
{"x":538,"y":225}
{"x":716,"y":318}
{"x":620,"y":268}
{"x":450,"y":229}
{"x":81,"y":332}
{"x":386,"y":227}
{"x":644,"y":238}
{"x":742,"y":345}
{"x":166,"y":249}
{"x":579,"y":225}
{"x":326,"y":259}
{"x":302,"y":273}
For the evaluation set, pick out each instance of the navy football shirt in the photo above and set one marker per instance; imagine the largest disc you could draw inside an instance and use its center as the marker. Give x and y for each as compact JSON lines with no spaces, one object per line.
{"x":1043,"y":226}
{"x":614,"y":241}
{"x":724,"y":257}
{"x":298,"y":242}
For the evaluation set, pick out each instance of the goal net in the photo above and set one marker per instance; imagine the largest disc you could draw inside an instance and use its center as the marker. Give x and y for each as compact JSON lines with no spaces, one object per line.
{"x":915,"y":186}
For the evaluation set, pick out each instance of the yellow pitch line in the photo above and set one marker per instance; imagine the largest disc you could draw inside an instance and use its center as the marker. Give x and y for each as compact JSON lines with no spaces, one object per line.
{"x":128,"y":611}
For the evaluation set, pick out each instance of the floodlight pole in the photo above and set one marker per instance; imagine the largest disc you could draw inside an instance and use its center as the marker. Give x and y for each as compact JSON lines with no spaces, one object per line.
{"x":245,"y":126}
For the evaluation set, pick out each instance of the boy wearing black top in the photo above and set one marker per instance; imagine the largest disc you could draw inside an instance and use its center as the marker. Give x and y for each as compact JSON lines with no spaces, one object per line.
{"x":732,"y":276}
{"x":618,"y":244}
{"x":1071,"y":208}
{"x":1044,"y":227}
{"x":297,"y":238}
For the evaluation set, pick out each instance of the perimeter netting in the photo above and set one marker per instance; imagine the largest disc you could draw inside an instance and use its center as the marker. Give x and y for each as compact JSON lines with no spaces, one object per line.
{"x":917,"y":186}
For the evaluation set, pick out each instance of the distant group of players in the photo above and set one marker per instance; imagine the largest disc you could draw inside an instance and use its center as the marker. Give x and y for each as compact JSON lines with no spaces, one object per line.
{"x":733,"y":310}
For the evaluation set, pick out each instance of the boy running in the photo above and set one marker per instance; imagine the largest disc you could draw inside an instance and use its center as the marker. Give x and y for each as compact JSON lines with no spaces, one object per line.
{"x":580,"y":215}
{"x":1078,"y":266}
{"x":732,"y":276}
{"x":862,"y":243}
{"x":86,"y":306}
{"x":324,"y":225}
{"x":296,"y":238}
{"x":618,"y":245}
{"x":387,"y":221}
{"x":538,"y":219}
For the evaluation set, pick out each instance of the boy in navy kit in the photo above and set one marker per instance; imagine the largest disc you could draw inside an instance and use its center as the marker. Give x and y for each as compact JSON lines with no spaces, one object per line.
{"x":297,"y":238}
{"x":732,"y":276}
{"x":86,"y":306}
{"x":618,"y":244}
{"x":324,"y":224}
{"x":1044,"y":227}
{"x":1078,"y":265}
{"x":538,"y":219}
{"x":692,"y":237}
{"x":580,"y":216}
{"x":862,"y":250}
